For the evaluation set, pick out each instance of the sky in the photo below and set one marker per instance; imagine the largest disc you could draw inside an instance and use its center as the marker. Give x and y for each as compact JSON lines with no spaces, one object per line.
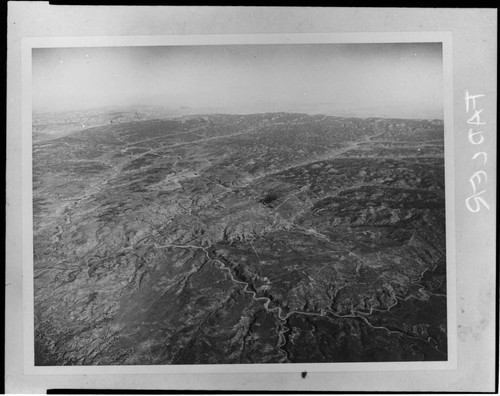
{"x":403,"y":80}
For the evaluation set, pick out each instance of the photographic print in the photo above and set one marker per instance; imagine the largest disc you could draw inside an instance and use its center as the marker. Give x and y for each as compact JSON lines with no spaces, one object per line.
{"x":239,"y":204}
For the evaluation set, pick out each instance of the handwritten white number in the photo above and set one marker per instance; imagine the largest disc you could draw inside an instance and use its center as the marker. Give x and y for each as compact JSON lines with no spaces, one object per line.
{"x":477,"y":178}
{"x":485,"y":156}
{"x":477,"y":200}
{"x":475,"y":119}
{"x":472,"y":134}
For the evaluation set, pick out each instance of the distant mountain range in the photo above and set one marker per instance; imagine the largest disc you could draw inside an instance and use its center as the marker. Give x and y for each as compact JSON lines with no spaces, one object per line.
{"x":51,"y":125}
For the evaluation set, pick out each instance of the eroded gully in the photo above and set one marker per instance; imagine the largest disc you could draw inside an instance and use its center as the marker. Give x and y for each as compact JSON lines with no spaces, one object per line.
{"x":278,"y":311}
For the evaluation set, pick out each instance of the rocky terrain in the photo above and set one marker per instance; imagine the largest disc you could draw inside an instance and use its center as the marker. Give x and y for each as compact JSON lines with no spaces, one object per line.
{"x":259,"y":238}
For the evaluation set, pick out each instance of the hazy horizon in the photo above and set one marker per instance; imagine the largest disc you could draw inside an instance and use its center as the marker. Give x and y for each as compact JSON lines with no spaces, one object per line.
{"x":400,"y":80}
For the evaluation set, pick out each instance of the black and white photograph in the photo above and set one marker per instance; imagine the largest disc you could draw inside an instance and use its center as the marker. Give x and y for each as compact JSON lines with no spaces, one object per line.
{"x":226,"y":204}
{"x":250,"y":199}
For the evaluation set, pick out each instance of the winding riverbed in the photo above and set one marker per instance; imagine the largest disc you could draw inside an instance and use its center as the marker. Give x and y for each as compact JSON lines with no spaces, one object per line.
{"x":278,"y":311}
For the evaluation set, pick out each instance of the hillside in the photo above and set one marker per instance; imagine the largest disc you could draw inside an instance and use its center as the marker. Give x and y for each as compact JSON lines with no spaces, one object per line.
{"x":258,"y":238}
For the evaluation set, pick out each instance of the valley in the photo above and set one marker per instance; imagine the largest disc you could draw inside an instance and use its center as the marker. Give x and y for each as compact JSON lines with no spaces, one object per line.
{"x":227,"y":239}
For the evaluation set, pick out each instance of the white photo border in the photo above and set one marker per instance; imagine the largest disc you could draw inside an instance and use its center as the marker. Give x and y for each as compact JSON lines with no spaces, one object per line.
{"x":29,"y":43}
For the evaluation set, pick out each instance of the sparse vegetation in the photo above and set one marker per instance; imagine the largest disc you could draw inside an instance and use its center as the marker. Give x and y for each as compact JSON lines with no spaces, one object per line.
{"x":240,"y":238}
